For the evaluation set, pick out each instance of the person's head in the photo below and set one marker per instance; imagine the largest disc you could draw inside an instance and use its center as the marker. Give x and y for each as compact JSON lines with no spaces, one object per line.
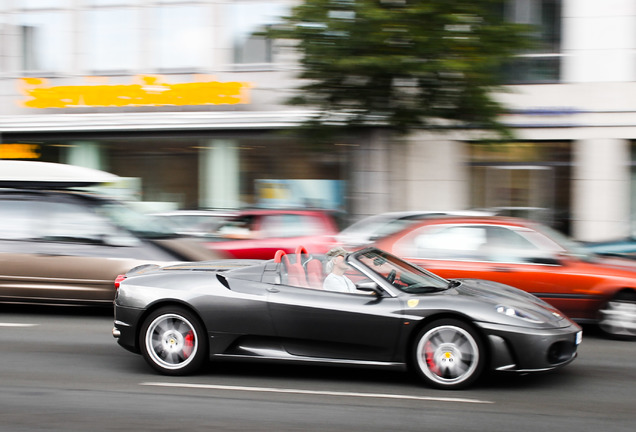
{"x":332,"y":257}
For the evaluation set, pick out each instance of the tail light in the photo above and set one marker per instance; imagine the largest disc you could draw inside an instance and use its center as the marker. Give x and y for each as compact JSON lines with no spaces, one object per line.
{"x":119,"y":279}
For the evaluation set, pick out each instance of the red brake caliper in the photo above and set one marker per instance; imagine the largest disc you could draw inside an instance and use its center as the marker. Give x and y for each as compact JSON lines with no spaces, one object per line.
{"x":430,"y":360}
{"x":188,"y":345}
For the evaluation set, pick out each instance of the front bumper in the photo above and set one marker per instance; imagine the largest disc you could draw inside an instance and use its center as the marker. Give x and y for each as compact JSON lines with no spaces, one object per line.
{"x":523,"y":350}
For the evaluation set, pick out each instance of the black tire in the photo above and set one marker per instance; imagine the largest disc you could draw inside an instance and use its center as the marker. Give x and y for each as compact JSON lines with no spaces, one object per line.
{"x":618,"y":316}
{"x":173,"y":341}
{"x":448,"y":354}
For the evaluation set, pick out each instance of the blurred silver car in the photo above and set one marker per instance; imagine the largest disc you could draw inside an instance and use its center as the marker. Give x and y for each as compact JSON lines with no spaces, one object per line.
{"x":372,"y":228}
{"x":195,"y":223}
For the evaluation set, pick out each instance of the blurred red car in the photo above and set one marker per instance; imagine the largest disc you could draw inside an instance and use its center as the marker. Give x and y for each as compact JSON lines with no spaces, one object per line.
{"x":529,"y":256}
{"x":258,"y":234}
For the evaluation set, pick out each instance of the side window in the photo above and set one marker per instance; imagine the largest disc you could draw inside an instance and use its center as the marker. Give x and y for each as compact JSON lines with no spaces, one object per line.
{"x":70,"y":223}
{"x":468,"y":242}
{"x":290,"y":225}
{"x":18,"y":220}
{"x":55,"y":221}
{"x":444,"y":242}
{"x":505,"y":245}
{"x":237,"y":228}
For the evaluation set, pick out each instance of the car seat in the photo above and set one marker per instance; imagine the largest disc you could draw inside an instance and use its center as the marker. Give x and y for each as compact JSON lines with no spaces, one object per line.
{"x":313,"y":267}
{"x":294,"y":270}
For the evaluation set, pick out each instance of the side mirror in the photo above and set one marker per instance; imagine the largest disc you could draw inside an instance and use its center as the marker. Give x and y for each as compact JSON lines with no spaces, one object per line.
{"x":370,"y":287}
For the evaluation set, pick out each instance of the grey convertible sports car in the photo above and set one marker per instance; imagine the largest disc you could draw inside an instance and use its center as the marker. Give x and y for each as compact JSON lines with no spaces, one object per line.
{"x":448,"y":331}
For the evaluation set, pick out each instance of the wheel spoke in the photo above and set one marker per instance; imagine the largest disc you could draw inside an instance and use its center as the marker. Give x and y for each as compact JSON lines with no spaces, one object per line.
{"x":157,"y":346}
{"x":465,"y":348}
{"x":437,"y":339}
{"x":162,"y":327}
{"x":182,"y":327}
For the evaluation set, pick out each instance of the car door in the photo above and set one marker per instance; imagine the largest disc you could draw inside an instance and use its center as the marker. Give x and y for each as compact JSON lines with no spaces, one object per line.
{"x":289,"y":230}
{"x":322,"y":324}
{"x":515,"y":256}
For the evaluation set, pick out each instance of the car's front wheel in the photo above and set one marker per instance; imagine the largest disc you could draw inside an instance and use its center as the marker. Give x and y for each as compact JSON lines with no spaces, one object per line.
{"x":173,"y":341}
{"x":618,"y":317}
{"x":448,"y":354}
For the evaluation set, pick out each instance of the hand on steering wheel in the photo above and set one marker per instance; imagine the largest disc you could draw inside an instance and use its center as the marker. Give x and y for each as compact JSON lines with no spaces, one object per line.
{"x":391,"y":276}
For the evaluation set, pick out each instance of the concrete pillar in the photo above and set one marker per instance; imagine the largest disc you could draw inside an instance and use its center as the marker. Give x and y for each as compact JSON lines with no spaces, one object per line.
{"x":370,"y":165}
{"x":600,"y":189}
{"x":219,"y":175}
{"x":85,"y":154}
{"x":433,"y":175}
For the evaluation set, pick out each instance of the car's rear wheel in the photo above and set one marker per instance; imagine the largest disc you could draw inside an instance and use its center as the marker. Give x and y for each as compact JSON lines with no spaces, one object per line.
{"x":173,"y":341}
{"x":618,"y":317}
{"x":448,"y":354}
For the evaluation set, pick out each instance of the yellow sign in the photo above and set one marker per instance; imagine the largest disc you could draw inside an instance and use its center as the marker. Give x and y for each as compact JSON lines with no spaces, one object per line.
{"x":149,"y":91}
{"x":19,"y":151}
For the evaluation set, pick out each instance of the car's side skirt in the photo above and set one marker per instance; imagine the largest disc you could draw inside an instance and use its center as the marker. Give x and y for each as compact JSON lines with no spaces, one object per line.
{"x":275,"y":354}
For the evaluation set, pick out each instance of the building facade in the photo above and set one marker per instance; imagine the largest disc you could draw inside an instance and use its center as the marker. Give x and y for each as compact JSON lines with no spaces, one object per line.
{"x":181,"y":98}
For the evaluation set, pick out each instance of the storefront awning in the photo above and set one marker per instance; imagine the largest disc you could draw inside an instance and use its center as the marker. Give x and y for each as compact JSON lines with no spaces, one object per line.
{"x":153,"y":121}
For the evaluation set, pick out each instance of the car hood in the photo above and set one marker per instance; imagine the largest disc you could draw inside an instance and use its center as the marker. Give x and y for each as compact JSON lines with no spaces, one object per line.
{"x":496,"y":294}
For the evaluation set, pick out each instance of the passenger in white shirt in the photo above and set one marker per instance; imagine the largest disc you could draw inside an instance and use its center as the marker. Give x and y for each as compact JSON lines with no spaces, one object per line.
{"x":336,"y":267}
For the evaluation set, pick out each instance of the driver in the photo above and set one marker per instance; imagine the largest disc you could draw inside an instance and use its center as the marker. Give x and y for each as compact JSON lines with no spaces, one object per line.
{"x":336,"y":266}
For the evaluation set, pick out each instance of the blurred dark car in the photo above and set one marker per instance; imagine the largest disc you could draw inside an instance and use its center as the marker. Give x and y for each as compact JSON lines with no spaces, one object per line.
{"x":61,"y":246}
{"x":399,"y":316}
{"x":623,"y":248}
{"x":259,"y":233}
{"x":372,"y":228}
{"x":530,"y":256}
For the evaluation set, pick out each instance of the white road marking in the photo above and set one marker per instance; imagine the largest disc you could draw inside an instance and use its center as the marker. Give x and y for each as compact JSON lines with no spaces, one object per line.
{"x":17,"y":325}
{"x":315,"y":392}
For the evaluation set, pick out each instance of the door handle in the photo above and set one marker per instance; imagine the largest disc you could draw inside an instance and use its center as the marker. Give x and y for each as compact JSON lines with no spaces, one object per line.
{"x":273,"y":290}
{"x":502,"y":269}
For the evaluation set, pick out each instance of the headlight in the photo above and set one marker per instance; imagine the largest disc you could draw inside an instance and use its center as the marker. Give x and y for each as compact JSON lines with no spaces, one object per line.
{"x":517,"y":313}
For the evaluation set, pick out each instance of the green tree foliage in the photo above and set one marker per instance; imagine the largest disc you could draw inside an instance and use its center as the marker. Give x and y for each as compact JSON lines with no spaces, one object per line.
{"x":402,"y":64}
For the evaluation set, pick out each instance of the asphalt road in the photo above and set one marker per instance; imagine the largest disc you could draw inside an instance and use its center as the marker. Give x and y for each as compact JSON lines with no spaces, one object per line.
{"x":61,"y":370}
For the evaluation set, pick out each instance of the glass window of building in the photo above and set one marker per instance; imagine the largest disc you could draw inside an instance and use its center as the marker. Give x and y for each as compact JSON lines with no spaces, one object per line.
{"x":44,"y":4}
{"x":112,"y":2}
{"x":524,"y":179}
{"x":182,"y":38}
{"x":543,"y":63}
{"x":248,"y":18}
{"x":108,"y":50}
{"x":46,"y":41}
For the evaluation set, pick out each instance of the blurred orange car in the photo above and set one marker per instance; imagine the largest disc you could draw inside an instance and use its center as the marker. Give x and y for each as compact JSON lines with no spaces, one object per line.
{"x":530,"y":256}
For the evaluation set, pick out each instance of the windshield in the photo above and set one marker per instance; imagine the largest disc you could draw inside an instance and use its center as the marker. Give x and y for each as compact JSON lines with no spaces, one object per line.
{"x":143,"y":225}
{"x":402,"y":275}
